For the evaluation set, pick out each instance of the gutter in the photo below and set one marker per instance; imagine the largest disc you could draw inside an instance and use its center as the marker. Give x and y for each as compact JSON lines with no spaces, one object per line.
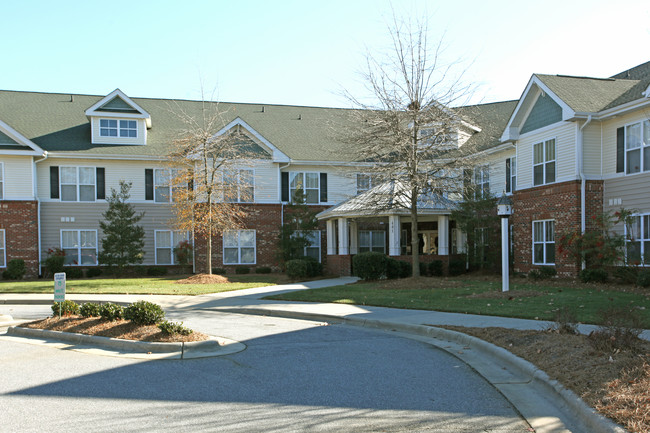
{"x":38,"y":202}
{"x":583,"y":181}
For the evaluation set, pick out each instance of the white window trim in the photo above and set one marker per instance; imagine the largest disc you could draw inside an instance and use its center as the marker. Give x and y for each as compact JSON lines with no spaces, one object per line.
{"x":78,"y":184}
{"x":544,"y":161}
{"x":2,"y":181}
{"x":372,"y":233}
{"x":304,"y":180}
{"x":370,"y":182}
{"x":642,"y":238}
{"x":79,"y":247}
{"x":239,"y":184}
{"x":544,"y":242}
{"x":481,"y":180}
{"x":118,"y":128}
{"x":239,"y":247}
{"x":127,"y":129}
{"x":641,"y":148}
{"x":513,"y":175}
{"x":3,"y":246}
{"x":174,"y":242}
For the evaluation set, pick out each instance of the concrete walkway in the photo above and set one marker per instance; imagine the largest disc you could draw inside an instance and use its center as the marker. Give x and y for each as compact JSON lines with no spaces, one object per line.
{"x":543,"y":402}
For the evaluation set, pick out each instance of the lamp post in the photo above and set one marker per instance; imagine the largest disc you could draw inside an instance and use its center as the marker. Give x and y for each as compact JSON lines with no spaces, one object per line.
{"x":504,"y":210}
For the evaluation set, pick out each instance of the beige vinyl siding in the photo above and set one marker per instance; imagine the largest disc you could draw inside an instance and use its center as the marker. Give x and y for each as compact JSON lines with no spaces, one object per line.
{"x":87,"y":217}
{"x":592,"y":150}
{"x":497,"y":163}
{"x":565,"y":153}
{"x":609,"y":139}
{"x":140,"y":139}
{"x":266,"y":181}
{"x":17,"y":177}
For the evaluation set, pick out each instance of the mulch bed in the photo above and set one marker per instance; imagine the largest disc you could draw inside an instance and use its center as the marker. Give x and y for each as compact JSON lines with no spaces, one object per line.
{"x":204,"y":279}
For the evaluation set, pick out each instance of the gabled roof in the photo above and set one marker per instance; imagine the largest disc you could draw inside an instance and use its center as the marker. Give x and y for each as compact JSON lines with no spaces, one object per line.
{"x":13,"y":142}
{"x":117,"y":104}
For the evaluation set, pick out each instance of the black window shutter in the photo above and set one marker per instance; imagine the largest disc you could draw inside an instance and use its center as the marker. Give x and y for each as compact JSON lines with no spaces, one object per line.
{"x":508,"y":186}
{"x":101,"y":185}
{"x":148,"y":184}
{"x":323,"y":187}
{"x":620,"y":150}
{"x":54,"y":182}
{"x":467,"y":181}
{"x":284,"y":177}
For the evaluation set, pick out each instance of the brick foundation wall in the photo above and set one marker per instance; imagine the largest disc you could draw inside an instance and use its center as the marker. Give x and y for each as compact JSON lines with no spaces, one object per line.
{"x":19,"y":220}
{"x":339,"y":265}
{"x":559,"y":202}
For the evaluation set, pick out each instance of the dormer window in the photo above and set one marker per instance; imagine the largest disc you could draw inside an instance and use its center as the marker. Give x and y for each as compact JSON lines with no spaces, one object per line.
{"x":109,"y":128}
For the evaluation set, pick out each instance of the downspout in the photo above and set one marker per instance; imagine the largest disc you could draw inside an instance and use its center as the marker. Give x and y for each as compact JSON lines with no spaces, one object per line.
{"x":38,"y":203}
{"x":583,"y":181}
{"x":280,"y":191}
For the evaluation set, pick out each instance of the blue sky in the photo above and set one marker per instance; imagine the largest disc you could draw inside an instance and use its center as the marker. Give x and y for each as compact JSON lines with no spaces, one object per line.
{"x":303,"y":52}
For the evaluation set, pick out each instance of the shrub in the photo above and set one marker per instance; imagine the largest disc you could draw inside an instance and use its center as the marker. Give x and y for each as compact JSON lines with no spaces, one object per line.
{"x":593,"y":275}
{"x":297,"y":268}
{"x":436,"y":268}
{"x":68,"y":308}
{"x":110,"y":311}
{"x":620,"y":329}
{"x":457,"y":267}
{"x":542,"y":273}
{"x":90,"y":309}
{"x":239,"y":270}
{"x":314,"y":267}
{"x":263,"y":270}
{"x":75,"y":273}
{"x":424,"y":269}
{"x":370,"y":265}
{"x":405,"y":269}
{"x":93,"y":272}
{"x":156,"y":271}
{"x":144,"y":313}
{"x":392,"y":268}
{"x":15,"y":270}
{"x":643,"y":279}
{"x":566,"y":321}
{"x":626,"y":274}
{"x":55,"y":260}
{"x":219,"y":271}
{"x":171,"y":328}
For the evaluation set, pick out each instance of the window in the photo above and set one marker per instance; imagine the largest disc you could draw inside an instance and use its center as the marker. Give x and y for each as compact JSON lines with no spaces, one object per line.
{"x":78,"y":183}
{"x":239,"y":247}
{"x":80,"y":247}
{"x":511,"y":174}
{"x":312,"y":249}
{"x":366,"y":182}
{"x":372,"y":240}
{"x":308,"y":183}
{"x":3,"y":251}
{"x":544,"y":162}
{"x":2,"y":181}
{"x":166,"y":242}
{"x":638,"y":240}
{"x":544,"y":242}
{"x":482,"y":182}
{"x":637,"y":147}
{"x":109,"y":128}
{"x":239,"y":186}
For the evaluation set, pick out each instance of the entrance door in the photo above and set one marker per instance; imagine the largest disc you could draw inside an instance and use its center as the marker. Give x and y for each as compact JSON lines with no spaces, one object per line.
{"x":428,"y":242}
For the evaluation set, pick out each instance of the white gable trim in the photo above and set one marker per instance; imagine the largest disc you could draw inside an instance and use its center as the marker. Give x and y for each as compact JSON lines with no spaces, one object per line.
{"x":277,"y":154}
{"x":525,"y":104}
{"x":20,"y":139}
{"x":142,"y":114}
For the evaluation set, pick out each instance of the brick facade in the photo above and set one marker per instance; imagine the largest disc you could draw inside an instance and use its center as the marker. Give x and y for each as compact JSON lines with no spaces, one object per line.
{"x":19,"y":220}
{"x":559,"y":202}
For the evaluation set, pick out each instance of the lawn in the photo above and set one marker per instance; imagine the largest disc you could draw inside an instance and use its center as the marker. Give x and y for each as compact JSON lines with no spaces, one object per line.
{"x":154,"y":286}
{"x":482,"y":295}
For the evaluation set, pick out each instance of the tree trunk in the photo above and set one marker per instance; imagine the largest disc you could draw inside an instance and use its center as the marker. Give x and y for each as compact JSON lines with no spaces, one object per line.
{"x":415,"y":241}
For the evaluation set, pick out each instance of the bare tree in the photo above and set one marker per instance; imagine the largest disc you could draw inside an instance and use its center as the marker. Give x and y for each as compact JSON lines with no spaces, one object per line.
{"x":409,"y":134}
{"x":205,"y":175}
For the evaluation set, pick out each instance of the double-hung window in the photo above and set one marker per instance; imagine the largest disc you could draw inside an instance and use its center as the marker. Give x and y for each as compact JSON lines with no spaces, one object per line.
{"x":366,"y":182}
{"x":637,"y":147}
{"x":164,"y":187}
{"x":239,"y":185}
{"x":78,"y":183}
{"x":308,"y":183}
{"x":638,"y":240}
{"x":239,"y":247}
{"x":3,"y":250}
{"x":115,"y":128}
{"x":511,"y":174}
{"x":167,"y":242}
{"x":312,"y":249}
{"x":544,"y":162}
{"x":80,"y":247}
{"x":372,"y":240}
{"x":544,"y":242}
{"x":482,"y":182}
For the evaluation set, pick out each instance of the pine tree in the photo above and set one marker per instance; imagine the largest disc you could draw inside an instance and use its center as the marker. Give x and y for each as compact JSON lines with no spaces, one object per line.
{"x":299,"y":220}
{"x":123,"y":242}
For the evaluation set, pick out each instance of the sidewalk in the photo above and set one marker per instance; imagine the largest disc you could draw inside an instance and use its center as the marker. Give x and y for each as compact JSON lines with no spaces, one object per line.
{"x":543,"y":402}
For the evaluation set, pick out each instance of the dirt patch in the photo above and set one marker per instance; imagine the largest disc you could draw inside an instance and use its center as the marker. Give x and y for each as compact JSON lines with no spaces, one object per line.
{"x":123,"y":329}
{"x":204,"y":279}
{"x":617,"y":383}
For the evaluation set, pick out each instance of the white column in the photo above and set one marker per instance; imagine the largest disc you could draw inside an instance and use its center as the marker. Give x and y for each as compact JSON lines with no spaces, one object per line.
{"x":354,"y":237}
{"x":394,"y":235}
{"x":443,"y":235}
{"x":331,"y":238}
{"x":505,"y":274}
{"x":344,"y":237}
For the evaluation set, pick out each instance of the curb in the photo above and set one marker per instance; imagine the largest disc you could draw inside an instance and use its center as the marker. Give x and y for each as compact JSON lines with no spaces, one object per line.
{"x":595,"y":422}
{"x":50,"y":302}
{"x":181,"y":350}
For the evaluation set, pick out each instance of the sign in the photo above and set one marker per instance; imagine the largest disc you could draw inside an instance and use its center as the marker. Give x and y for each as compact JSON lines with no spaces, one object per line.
{"x":59,"y":287}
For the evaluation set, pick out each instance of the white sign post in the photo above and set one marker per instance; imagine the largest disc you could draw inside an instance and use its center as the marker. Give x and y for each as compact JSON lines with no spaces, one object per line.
{"x":59,"y":289}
